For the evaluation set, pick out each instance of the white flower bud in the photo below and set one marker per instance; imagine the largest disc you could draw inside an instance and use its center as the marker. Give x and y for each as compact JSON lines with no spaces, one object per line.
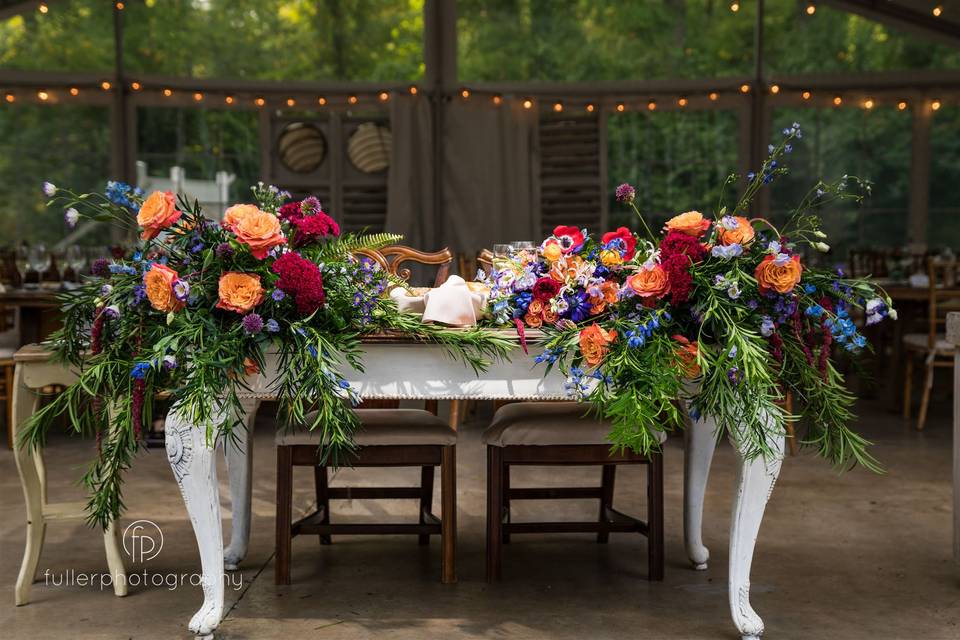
{"x":821,"y":246}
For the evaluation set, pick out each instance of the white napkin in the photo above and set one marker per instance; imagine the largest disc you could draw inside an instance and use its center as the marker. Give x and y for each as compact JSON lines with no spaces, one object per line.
{"x":454,"y":304}
{"x":406,"y":302}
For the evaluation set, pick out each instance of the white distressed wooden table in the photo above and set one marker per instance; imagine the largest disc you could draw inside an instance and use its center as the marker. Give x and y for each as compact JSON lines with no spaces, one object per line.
{"x":395,"y":369}
{"x":953,"y":336}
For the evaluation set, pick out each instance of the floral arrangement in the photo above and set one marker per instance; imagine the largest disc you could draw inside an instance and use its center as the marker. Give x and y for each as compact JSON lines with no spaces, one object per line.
{"x":724,"y":312}
{"x":199,"y":303}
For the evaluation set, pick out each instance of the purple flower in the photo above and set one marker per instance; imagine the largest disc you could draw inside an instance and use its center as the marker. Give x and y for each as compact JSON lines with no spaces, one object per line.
{"x":113,"y":312}
{"x":139,"y":293}
{"x":169,"y":363}
{"x":578,"y":308}
{"x":726,"y":252}
{"x":252,"y":323}
{"x":100,"y":267}
{"x":273,"y":326}
{"x":278,"y":295}
{"x":181,"y":290}
{"x":71,"y":216}
{"x":224,"y":250}
{"x":733,"y":375}
{"x":310,"y":205}
{"x":106,"y":290}
{"x":49,"y":189}
{"x":626,"y":193}
{"x":767,"y":327}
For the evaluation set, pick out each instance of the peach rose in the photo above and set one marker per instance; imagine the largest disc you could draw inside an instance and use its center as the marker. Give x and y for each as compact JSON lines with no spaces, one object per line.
{"x":535,"y":307}
{"x":260,"y":231}
{"x":742,"y":234}
{"x":550,"y":316}
{"x":239,"y":292}
{"x":595,"y":343}
{"x":551,"y":251}
{"x":157,"y":212}
{"x":533,"y":320}
{"x":781,"y":278}
{"x":691,"y":223}
{"x":650,"y":282}
{"x":159,"y":285}
{"x":687,"y":356}
{"x":236,"y":213}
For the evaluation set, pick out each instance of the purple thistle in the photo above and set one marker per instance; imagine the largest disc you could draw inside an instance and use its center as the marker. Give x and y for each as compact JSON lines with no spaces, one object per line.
{"x":626,"y":193}
{"x":100,"y":267}
{"x":224,"y":250}
{"x":252,"y":323}
{"x":310,"y":205}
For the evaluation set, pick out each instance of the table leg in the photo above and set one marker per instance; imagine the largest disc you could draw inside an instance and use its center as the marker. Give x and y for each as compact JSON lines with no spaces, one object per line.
{"x":238,"y":450}
{"x":25,"y":401}
{"x":701,"y":441}
{"x":755,"y":480}
{"x":194,"y":467}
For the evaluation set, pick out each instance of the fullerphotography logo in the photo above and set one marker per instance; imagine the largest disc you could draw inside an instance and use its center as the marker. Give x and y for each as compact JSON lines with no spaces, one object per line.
{"x":142,"y":542}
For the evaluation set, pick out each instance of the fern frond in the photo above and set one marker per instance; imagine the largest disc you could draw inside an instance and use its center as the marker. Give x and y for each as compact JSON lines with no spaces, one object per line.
{"x":351,"y":242}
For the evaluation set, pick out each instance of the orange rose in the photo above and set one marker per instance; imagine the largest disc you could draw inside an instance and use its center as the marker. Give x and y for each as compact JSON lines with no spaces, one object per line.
{"x":239,"y":292}
{"x":742,"y":234}
{"x":595,"y":343}
{"x":157,"y":212}
{"x":650,"y":282}
{"x":781,"y":278}
{"x":550,"y":316}
{"x":159,"y":285}
{"x":533,"y":320}
{"x":260,"y":231}
{"x":536,"y":307}
{"x":687,"y":355}
{"x":236,"y":213}
{"x":608,"y":295}
{"x":691,"y":223}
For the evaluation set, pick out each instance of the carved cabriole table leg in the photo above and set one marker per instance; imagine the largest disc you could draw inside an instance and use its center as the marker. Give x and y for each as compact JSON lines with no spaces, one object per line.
{"x":25,"y":401}
{"x":755,"y":480}
{"x":238,"y":450}
{"x":701,"y":441}
{"x":194,"y":467}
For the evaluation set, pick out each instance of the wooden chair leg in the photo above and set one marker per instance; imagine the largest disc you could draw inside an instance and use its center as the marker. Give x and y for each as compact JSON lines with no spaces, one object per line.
{"x":426,"y":499}
{"x":505,"y":537}
{"x":655,"y":552}
{"x":606,"y":500}
{"x":908,"y":387}
{"x":322,"y":484}
{"x":494,"y":511}
{"x":448,"y":514}
{"x":284,"y":514}
{"x":925,"y":399}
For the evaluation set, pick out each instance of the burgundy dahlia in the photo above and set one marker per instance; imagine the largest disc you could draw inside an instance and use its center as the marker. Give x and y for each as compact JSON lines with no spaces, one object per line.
{"x":301,"y":279}
{"x":545,"y":289}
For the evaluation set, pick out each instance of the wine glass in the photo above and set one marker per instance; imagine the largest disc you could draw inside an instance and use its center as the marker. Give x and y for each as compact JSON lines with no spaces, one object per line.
{"x":39,"y":259}
{"x":76,"y":260}
{"x":23,"y":263}
{"x":524,"y":249}
{"x":502,"y":250}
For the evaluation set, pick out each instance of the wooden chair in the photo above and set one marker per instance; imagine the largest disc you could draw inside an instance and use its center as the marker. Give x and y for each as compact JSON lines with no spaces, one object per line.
{"x":9,"y":343}
{"x":937,"y":352}
{"x":868,"y":262}
{"x":560,"y":434}
{"x":389,"y":437}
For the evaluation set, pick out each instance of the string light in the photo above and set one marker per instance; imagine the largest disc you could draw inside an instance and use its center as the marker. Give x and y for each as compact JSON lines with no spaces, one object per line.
{"x":74,"y":91}
{"x":352,"y":99}
{"x":590,"y":107}
{"x":734,"y":6}
{"x":321,"y":101}
{"x":745,"y":88}
{"x":621,"y":107}
{"x":43,"y":8}
{"x":496,"y":100}
{"x":902,"y":105}
{"x":806,"y":95}
{"x":935,"y":105}
{"x":652,"y":105}
{"x":837,"y":101}
{"x":291,"y":102}
{"x":811,"y":8}
{"x":105,"y":85}
{"x":413,"y":89}
{"x":774,"y":89}
{"x":120,"y":6}
{"x":713,"y":96}
{"x":384,"y":96}
{"x":228,"y":99}
{"x":167,"y":93}
{"x":868,"y":103}
{"x":43,"y":95}
{"x":464,"y":93}
{"x":527,"y":103}
{"x":259,"y":102}
{"x":682,"y":101}
{"x":558,"y":107}
{"x":10,"y":97}
{"x":135,"y":85}
{"x":937,"y":10}
{"x":198,"y":96}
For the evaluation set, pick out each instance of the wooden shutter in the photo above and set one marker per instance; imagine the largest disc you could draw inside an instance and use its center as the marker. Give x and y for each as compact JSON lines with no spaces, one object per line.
{"x":572,"y":172}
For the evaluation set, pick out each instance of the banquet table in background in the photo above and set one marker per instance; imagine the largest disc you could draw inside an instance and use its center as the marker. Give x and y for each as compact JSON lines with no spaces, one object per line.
{"x":397,"y":368}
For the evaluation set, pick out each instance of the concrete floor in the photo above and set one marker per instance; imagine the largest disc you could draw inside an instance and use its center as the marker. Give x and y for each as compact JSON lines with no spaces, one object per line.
{"x":839,"y":556}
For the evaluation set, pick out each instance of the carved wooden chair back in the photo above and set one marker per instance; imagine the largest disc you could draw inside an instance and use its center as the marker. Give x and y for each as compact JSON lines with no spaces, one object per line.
{"x":485,"y":260}
{"x":397,"y":255}
{"x":869,"y":262}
